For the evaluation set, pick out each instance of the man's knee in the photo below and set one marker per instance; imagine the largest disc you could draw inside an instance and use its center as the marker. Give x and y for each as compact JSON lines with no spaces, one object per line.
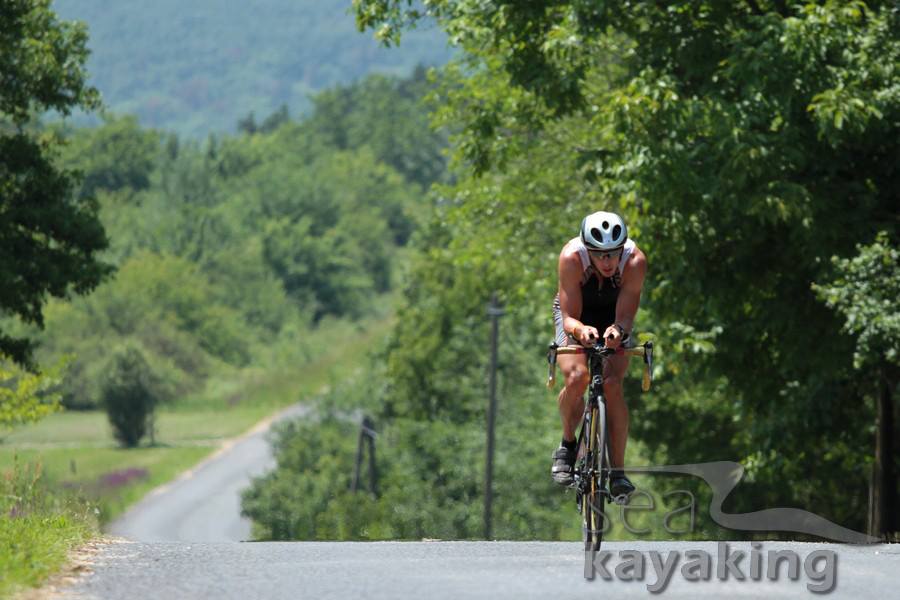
{"x":577,"y":379}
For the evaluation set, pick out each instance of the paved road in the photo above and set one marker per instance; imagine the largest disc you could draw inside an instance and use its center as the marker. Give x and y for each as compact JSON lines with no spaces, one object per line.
{"x":183,"y":542}
{"x":454,"y":570}
{"x":204,"y":504}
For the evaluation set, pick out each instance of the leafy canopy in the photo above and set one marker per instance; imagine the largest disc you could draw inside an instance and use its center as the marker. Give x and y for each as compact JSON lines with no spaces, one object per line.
{"x":745,"y":142}
{"x":49,"y":240}
{"x":864,"y":292}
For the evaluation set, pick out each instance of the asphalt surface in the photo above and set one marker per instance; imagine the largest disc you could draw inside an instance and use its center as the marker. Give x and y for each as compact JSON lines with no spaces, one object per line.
{"x":203,"y":505}
{"x":183,"y":541}
{"x":453,"y":570}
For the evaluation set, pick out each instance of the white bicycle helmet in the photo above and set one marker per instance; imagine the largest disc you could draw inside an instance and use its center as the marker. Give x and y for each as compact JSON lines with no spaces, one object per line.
{"x":603,"y":231}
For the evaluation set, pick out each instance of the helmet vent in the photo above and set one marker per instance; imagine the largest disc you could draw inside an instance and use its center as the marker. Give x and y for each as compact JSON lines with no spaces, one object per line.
{"x":596,"y":233}
{"x":617,"y":230}
{"x":605,"y":225}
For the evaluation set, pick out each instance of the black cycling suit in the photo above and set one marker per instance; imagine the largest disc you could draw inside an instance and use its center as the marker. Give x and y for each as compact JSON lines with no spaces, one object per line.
{"x":598,"y":306}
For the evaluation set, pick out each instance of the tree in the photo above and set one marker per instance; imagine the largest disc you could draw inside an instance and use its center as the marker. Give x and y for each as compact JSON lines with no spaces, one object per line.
{"x":49,"y":241}
{"x":864,"y":292}
{"x":117,"y":155}
{"x":329,"y":237}
{"x":130,"y":395}
{"x":748,"y":142}
{"x":388,"y":114}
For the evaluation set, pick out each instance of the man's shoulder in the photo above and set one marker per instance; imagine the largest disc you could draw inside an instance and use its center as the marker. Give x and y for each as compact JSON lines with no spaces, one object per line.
{"x":637,"y":255}
{"x":571,"y":250}
{"x":637,"y":262}
{"x":571,"y":265}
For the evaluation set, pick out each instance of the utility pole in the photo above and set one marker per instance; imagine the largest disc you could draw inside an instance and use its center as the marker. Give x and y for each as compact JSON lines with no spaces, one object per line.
{"x":495,"y":311}
{"x":367,"y":438}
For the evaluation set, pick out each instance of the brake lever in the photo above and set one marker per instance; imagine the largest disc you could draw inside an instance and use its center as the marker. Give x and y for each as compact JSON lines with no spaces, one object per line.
{"x":551,"y":358}
{"x":648,"y":366}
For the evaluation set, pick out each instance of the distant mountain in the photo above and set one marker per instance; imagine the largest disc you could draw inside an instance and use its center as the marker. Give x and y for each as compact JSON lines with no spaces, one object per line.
{"x":198,"y":66}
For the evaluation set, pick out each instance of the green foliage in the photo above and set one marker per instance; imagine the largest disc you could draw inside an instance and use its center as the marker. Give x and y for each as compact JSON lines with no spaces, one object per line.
{"x":864,"y":291}
{"x":118,"y":155}
{"x":430,"y":475}
{"x":288,"y":504}
{"x":328,"y":239}
{"x":746,"y":144}
{"x":384,"y":114}
{"x":426,"y":388}
{"x":42,"y":59}
{"x":159,"y":302}
{"x":167,"y":290}
{"x":27,"y":397}
{"x":228,"y":252}
{"x":130,"y":393}
{"x":48,"y":241}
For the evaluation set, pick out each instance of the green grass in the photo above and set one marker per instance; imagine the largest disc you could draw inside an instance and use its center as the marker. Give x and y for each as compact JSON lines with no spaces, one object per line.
{"x":38,"y":527}
{"x":174,"y":427}
{"x":32,"y":548}
{"x":87,"y":479}
{"x":83,"y":471}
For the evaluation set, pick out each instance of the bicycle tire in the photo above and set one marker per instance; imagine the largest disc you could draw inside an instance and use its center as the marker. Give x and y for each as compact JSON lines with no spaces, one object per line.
{"x":592,"y":500}
{"x":583,"y":484}
{"x":602,"y":469}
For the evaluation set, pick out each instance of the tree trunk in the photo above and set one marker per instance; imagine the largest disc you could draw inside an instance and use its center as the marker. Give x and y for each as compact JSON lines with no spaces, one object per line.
{"x":883,"y":518}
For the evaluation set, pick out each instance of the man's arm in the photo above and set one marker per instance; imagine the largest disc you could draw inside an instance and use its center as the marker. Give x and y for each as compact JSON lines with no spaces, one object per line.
{"x":630,"y":294}
{"x":570,"y":300}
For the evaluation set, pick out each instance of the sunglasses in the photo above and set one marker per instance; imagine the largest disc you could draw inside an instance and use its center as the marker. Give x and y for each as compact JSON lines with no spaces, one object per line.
{"x":601,"y":255}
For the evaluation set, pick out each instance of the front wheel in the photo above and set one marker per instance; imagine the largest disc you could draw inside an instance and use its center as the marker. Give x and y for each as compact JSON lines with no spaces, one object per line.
{"x":593,"y":498}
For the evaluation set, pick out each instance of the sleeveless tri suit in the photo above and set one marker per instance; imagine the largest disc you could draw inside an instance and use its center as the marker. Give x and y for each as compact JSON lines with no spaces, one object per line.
{"x":598,"y":294}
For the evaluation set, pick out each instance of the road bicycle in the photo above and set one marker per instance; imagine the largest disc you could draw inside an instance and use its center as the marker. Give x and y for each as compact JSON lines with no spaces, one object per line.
{"x":592,"y":467}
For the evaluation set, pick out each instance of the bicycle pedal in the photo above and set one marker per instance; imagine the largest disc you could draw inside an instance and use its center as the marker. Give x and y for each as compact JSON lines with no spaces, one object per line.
{"x":621,"y":499}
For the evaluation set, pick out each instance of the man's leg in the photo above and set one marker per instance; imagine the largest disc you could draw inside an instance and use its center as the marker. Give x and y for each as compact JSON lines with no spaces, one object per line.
{"x":617,"y":417}
{"x":571,"y":407}
{"x":571,"y":397}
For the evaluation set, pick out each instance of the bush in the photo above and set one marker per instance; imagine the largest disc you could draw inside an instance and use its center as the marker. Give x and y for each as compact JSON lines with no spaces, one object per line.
{"x":129,"y":394}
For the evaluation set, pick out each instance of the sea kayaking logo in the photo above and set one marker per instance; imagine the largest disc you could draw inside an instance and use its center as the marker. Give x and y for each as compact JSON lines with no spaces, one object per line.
{"x":820,"y":566}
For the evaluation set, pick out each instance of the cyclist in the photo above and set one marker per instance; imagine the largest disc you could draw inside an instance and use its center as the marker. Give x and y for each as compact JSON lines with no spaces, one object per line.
{"x":601,"y":273}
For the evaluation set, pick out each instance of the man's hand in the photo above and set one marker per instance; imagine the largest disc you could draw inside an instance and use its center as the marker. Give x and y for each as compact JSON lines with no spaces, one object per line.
{"x":587,"y":335}
{"x":612,"y":337}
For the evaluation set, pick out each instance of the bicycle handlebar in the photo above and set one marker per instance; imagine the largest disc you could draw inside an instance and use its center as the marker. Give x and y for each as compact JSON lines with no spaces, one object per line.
{"x":645,"y":350}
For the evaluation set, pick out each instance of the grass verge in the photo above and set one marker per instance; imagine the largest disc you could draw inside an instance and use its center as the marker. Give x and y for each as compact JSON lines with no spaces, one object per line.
{"x":64,"y":476}
{"x":38,"y":527}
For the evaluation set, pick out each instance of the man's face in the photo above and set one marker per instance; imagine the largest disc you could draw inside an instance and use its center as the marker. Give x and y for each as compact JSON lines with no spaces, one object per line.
{"x":605,"y":262}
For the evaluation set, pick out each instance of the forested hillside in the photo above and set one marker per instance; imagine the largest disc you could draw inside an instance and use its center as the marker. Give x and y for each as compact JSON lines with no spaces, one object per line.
{"x":188,"y":287}
{"x":228,"y":252}
{"x":196,"y":67}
